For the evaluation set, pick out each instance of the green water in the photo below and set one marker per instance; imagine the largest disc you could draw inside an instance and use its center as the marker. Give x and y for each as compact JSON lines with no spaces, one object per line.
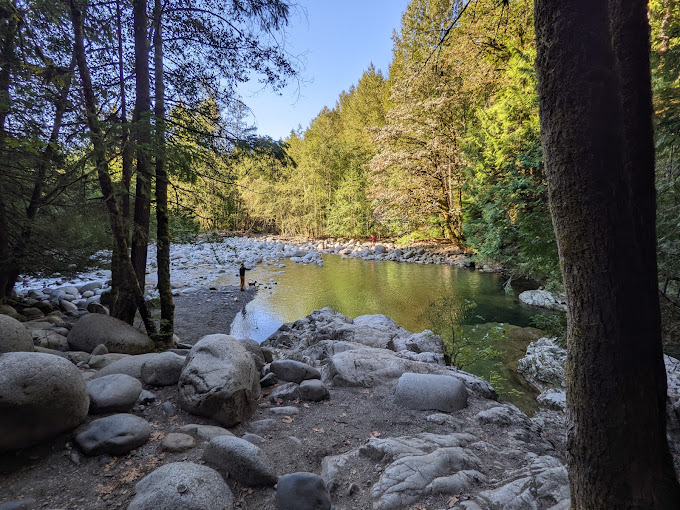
{"x":403,"y":292}
{"x":407,"y":293}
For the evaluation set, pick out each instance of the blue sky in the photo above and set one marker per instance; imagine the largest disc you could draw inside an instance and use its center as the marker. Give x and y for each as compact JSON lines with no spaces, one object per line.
{"x":338,"y":41}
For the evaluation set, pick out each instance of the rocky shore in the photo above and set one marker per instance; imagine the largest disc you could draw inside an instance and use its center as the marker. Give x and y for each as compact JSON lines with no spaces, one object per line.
{"x":350,"y":413}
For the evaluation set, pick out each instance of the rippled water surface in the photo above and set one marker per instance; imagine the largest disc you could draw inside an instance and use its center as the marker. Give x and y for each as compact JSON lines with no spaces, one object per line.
{"x":403,"y":292}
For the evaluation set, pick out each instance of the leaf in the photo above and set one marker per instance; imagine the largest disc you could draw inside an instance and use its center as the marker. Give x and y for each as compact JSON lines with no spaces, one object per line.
{"x":318,"y":430}
{"x":288,"y":419}
{"x":452,"y":501}
{"x":305,"y":405}
{"x":375,"y":433}
{"x":342,"y":415}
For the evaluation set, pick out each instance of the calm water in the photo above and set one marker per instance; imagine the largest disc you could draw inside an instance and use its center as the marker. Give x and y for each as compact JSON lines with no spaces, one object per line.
{"x":403,"y":292}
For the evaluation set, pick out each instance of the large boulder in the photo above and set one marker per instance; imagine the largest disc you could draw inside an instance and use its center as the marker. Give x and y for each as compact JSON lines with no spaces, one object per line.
{"x":543,"y":365}
{"x":293,"y":371}
{"x":13,"y":336}
{"x":543,"y":299}
{"x":115,"y":435}
{"x":41,"y":396}
{"x":430,"y":391}
{"x":241,"y":460}
{"x":302,"y":491}
{"x":115,"y":393}
{"x":182,"y":486}
{"x":220,"y":380}
{"x":94,"y":329}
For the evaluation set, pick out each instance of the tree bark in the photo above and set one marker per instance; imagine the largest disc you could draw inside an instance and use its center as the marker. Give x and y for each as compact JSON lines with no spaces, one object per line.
{"x":595,"y":105}
{"x":123,"y":305}
{"x":101,"y":161}
{"x":162,"y":219}
{"x":142,"y":120}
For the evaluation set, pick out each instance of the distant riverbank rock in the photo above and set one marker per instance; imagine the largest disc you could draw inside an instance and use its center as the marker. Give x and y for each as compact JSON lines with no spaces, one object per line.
{"x":543,"y":299}
{"x":220,"y":380}
{"x":94,"y":329}
{"x":13,"y":336}
{"x":41,"y":396}
{"x":543,"y":365}
{"x":369,"y":330}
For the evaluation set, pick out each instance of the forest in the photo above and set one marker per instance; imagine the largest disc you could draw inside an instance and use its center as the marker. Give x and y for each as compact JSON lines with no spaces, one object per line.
{"x":123,"y":122}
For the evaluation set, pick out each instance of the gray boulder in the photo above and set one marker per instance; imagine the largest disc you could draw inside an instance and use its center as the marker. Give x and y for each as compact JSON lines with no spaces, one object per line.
{"x":94,"y":329}
{"x":543,"y":365}
{"x":241,"y":459}
{"x":49,"y":339}
{"x":429,"y":391}
{"x":182,"y":486}
{"x":293,"y":371}
{"x":302,"y":491}
{"x":163,"y":369}
{"x":13,"y":336}
{"x":220,"y":380}
{"x":204,"y":432}
{"x":9,"y":311}
{"x":255,"y":350}
{"x":286,"y":392}
{"x":41,"y":396}
{"x":543,"y":299}
{"x":130,"y":365}
{"x":115,"y":393}
{"x":313,"y":390}
{"x":178,"y":442}
{"x":115,"y":435}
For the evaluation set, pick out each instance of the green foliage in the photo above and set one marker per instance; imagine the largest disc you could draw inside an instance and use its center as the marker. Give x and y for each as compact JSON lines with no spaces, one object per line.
{"x":553,"y":325}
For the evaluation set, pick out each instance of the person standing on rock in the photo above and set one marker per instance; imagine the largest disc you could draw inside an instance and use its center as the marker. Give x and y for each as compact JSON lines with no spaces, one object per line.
{"x":242,"y":273}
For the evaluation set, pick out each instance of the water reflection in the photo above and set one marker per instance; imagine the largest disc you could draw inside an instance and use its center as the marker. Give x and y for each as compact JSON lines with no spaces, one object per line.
{"x":355,"y":287}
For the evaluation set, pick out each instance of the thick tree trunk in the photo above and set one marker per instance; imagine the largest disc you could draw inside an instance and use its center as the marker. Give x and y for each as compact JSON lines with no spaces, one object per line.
{"x":101,"y":161}
{"x":7,"y":271}
{"x":162,"y":219}
{"x":595,"y":105}
{"x":123,"y":304}
{"x":142,"y":120}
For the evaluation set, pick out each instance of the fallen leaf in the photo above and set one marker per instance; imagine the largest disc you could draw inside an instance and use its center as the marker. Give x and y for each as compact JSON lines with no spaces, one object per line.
{"x":296,"y":401}
{"x":305,"y":405}
{"x":342,"y":415}
{"x":155,"y":436}
{"x":375,"y":433}
{"x":354,"y":471}
{"x":318,"y":430}
{"x":348,"y":442}
{"x":452,"y":501}
{"x":288,"y":419}
{"x":279,"y":401}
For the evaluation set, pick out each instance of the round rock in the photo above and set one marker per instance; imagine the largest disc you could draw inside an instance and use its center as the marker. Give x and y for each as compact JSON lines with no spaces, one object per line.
{"x":293,"y":371}
{"x":163,"y":370}
{"x":182,"y":486}
{"x":115,"y":393}
{"x":302,"y":491}
{"x":14,"y":337}
{"x":94,"y":329}
{"x":115,"y":435}
{"x":430,"y":391}
{"x":178,"y":442}
{"x":314,"y":390}
{"x":41,"y":396}
{"x":241,"y":459}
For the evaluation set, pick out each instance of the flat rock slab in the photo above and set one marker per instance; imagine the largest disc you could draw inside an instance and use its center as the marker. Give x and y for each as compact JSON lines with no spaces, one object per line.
{"x":302,"y":491}
{"x":115,"y":393}
{"x":241,"y":459}
{"x":178,"y":442}
{"x":293,"y":371}
{"x":41,"y":396}
{"x":430,"y":391}
{"x":182,"y":486}
{"x":115,"y":435}
{"x":94,"y":329}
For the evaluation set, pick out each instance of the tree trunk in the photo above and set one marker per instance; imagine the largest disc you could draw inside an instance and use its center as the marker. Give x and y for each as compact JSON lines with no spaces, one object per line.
{"x":162,"y":219}
{"x":7,"y":273}
{"x":123,"y":304}
{"x":142,"y":120}
{"x":595,"y":105}
{"x":101,"y":161}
